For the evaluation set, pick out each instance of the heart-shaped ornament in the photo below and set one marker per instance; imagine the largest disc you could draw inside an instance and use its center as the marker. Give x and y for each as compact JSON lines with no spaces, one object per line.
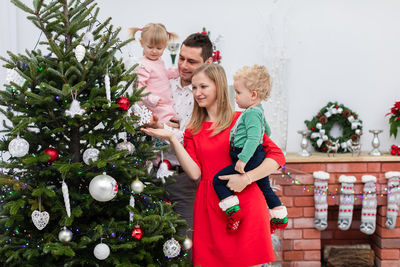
{"x":40,"y":219}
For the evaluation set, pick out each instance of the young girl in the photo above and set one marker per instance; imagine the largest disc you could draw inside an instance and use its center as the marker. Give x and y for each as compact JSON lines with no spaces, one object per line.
{"x":205,"y":152}
{"x":252,"y":85}
{"x":152,"y":72}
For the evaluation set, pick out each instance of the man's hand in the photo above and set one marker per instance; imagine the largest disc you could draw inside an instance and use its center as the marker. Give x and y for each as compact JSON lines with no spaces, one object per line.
{"x":173,"y":123}
{"x":154,"y":123}
{"x":239,"y":167}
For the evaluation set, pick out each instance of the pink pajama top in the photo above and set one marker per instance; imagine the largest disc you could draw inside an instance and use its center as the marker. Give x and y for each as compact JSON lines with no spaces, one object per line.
{"x":154,"y":75}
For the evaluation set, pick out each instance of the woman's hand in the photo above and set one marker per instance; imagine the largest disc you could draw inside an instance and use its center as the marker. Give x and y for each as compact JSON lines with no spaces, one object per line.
{"x":159,"y":133}
{"x":237,"y":182}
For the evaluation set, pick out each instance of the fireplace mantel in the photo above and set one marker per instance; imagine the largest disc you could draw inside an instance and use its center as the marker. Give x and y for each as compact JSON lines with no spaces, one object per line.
{"x":301,"y":242}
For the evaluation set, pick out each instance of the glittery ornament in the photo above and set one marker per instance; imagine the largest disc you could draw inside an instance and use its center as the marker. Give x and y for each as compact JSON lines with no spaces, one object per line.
{"x":143,"y":113}
{"x":137,"y":232}
{"x":163,"y":171}
{"x":108,"y":88}
{"x":90,"y":154}
{"x":187,"y":243}
{"x":18,"y":147}
{"x":171,"y":248}
{"x":65,"y":235}
{"x":52,"y":152}
{"x":101,"y":251}
{"x":64,"y":189}
{"x":103,"y":187}
{"x":74,"y":109}
{"x":132,"y":204}
{"x":80,"y":52}
{"x":125,"y":145}
{"x":123,"y":103}
{"x":40,"y":219}
{"x":137,"y":186}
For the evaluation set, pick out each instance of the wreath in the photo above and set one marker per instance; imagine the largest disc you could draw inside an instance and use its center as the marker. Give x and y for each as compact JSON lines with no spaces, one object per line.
{"x":321,"y":125}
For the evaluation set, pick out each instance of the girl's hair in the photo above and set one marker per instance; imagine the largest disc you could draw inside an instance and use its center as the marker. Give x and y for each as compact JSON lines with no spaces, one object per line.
{"x":224,"y":109}
{"x":256,"y":79}
{"x":154,"y":34}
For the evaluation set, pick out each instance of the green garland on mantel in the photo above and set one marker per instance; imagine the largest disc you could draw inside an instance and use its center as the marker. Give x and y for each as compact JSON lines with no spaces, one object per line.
{"x":321,"y":125}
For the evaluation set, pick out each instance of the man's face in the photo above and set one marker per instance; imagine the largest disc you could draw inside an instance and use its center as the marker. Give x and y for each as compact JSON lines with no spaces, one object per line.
{"x":189,"y":60}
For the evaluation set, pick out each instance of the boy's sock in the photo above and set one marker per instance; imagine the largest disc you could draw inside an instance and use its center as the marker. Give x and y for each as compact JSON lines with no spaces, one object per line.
{"x":231,"y":207}
{"x":279,"y":219}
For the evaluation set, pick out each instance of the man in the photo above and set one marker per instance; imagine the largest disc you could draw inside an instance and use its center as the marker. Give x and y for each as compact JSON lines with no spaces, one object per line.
{"x":195,"y":51}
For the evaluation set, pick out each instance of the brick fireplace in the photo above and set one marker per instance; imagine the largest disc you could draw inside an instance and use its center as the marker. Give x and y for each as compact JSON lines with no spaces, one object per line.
{"x":301,"y":243}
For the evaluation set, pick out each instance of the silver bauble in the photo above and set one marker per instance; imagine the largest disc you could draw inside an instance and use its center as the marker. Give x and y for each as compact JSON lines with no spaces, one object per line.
{"x":187,"y":243}
{"x":18,"y":147}
{"x":137,"y":186}
{"x":125,"y":145}
{"x":171,"y":248}
{"x":90,"y":154}
{"x":101,"y":251}
{"x":103,"y":187}
{"x":65,"y":235}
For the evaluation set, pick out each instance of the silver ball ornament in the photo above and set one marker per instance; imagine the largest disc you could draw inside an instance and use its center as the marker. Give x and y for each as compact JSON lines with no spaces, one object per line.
{"x":103,"y":187}
{"x":187,"y":243}
{"x":125,"y":145}
{"x":18,"y":147}
{"x":101,"y":251}
{"x":90,"y":154}
{"x":137,"y":186}
{"x":65,"y":235}
{"x":171,"y":248}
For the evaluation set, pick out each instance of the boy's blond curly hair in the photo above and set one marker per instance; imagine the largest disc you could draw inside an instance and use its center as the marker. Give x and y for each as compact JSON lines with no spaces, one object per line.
{"x":256,"y":79}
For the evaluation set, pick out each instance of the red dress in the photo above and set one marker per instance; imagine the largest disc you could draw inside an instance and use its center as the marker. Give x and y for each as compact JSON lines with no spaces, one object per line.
{"x":213,"y":245}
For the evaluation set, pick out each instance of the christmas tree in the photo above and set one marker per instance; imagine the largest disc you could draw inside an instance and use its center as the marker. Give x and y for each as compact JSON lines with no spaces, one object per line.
{"x":77,"y":191}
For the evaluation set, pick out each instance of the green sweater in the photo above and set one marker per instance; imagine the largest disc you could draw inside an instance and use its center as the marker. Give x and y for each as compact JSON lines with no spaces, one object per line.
{"x":249,"y":132}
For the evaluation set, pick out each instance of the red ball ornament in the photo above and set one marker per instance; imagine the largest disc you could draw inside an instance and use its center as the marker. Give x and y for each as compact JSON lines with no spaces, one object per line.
{"x":52,"y":152}
{"x":166,"y":162}
{"x":398,"y":152}
{"x":393,"y":152}
{"x":394,"y":147}
{"x":123,"y":103}
{"x":137,"y":232}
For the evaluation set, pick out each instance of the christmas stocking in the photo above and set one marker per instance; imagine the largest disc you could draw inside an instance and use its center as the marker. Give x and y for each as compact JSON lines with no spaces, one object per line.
{"x":368,"y":212}
{"x":393,"y":198}
{"x":346,"y":202}
{"x":321,"y":205}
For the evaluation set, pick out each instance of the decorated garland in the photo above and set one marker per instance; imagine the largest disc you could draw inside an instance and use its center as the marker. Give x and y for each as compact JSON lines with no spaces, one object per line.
{"x":321,"y":125}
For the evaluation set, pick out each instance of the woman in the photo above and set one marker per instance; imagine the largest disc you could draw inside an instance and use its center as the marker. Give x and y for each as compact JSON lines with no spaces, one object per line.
{"x":205,"y":152}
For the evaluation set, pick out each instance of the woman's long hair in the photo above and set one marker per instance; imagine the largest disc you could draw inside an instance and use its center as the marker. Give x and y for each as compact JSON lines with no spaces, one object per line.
{"x":224,"y":109}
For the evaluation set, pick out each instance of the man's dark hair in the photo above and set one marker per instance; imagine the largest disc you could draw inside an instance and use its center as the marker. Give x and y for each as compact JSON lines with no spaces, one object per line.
{"x":202,"y":41}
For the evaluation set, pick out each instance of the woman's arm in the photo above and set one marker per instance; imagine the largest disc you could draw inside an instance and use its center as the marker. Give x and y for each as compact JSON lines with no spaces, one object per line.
{"x":187,"y":163}
{"x":274,"y":159}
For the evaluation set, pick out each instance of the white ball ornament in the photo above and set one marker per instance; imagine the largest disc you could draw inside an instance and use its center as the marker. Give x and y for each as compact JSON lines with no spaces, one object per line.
{"x":103,"y":187}
{"x":187,"y":243}
{"x":101,"y":251}
{"x":80,"y":52}
{"x":125,"y":145}
{"x":171,"y":248}
{"x":18,"y":147}
{"x":65,"y":235}
{"x":90,"y":154}
{"x":137,"y":186}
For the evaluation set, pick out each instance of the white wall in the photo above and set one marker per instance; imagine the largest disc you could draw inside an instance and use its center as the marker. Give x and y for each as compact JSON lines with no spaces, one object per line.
{"x":336,"y":50}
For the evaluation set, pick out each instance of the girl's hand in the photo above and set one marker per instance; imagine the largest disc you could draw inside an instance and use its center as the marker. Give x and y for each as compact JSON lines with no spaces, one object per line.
{"x":159,"y":133}
{"x":237,"y":182}
{"x":239,"y":167}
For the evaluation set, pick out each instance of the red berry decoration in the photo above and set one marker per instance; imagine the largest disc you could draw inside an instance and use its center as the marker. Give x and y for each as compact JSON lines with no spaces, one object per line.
{"x":398,"y":152}
{"x":393,"y":152}
{"x":166,"y":162}
{"x":137,"y":232}
{"x":52,"y":152}
{"x":123,"y":103}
